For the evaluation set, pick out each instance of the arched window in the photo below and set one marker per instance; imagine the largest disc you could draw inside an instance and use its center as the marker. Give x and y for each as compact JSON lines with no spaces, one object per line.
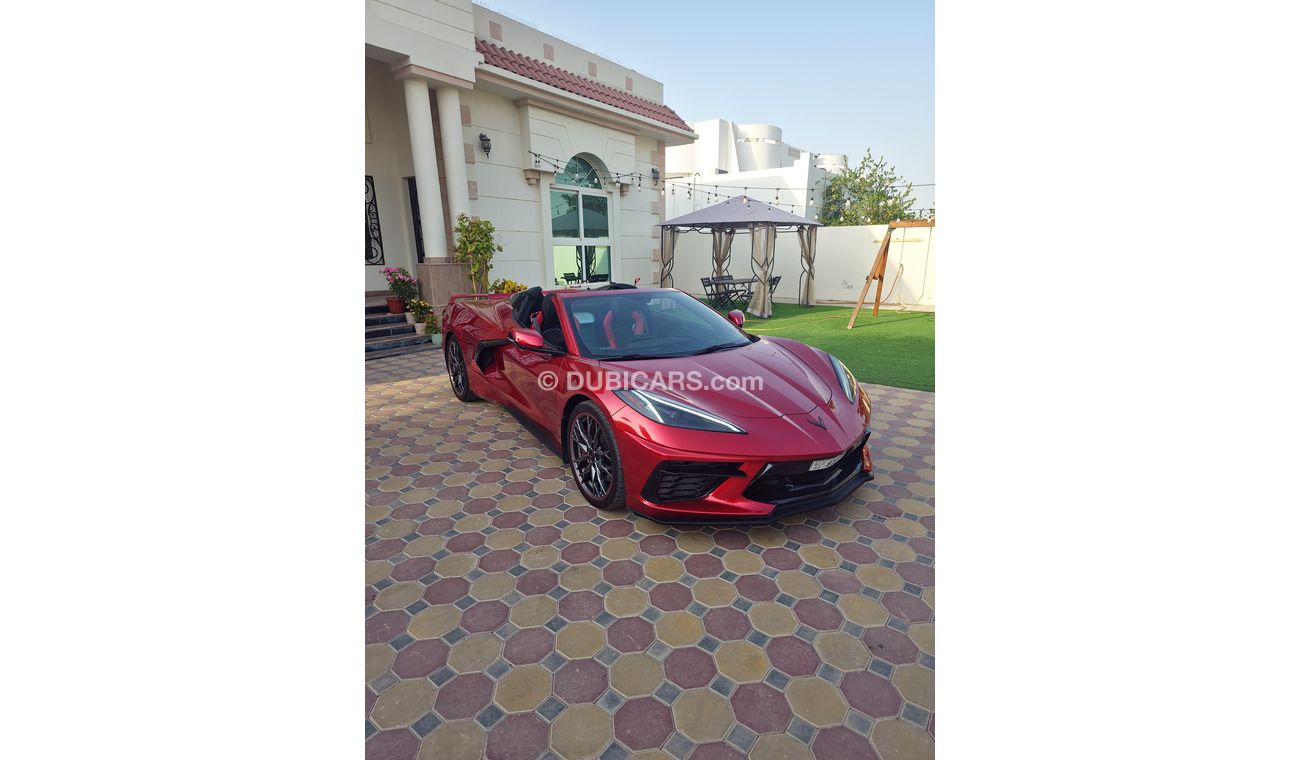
{"x":580,"y":224}
{"x":578,"y":173}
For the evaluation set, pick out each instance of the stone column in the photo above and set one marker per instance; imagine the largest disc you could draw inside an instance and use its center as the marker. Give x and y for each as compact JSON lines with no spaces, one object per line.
{"x":453,"y":152}
{"x":424,"y":154}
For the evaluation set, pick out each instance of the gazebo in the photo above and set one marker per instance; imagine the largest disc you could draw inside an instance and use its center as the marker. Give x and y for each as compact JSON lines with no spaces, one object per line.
{"x":762,"y":221}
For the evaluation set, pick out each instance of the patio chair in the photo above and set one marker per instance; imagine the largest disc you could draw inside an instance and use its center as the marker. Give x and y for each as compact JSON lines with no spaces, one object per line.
{"x":772,"y":282}
{"x":714,"y":293}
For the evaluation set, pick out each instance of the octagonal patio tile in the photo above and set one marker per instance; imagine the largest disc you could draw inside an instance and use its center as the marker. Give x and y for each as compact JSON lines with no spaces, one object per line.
{"x":534,"y":582}
{"x":916,"y":684}
{"x":906,"y":607}
{"x":533,"y":611}
{"x":463,"y":696}
{"x":421,"y":658}
{"x":623,"y":572}
{"x":433,"y":622}
{"x":446,"y":590}
{"x":741,"y":661}
{"x":384,"y":626}
{"x":393,"y":744}
{"x":669,"y":597}
{"x":455,"y":738}
{"x":379,"y":658}
{"x":727,"y":623}
{"x":518,"y":737}
{"x":793,"y":656}
{"x":761,"y":708}
{"x":816,"y":701}
{"x":636,"y":675}
{"x":900,"y":740}
{"x":714,"y":592}
{"x":403,"y":703}
{"x":630,"y":634}
{"x":773,"y":619}
{"x":841,"y":742}
{"x":890,"y":645}
{"x":664,"y":569}
{"x":702,"y":715}
{"x":626,"y":601}
{"x":871,"y":694}
{"x":679,"y":629}
{"x":689,"y":667}
{"x":474,"y":652}
{"x":581,"y":605}
{"x":864,"y":611}
{"x":581,"y":732}
{"x":577,"y":640}
{"x":783,"y":747}
{"x":798,"y":584}
{"x":528,"y":645}
{"x":842,"y":651}
{"x":819,"y":614}
{"x":756,"y":588}
{"x":523,"y":689}
{"x":703,"y":565}
{"x":643,"y":723}
{"x":484,"y":616}
{"x":580,"y":681}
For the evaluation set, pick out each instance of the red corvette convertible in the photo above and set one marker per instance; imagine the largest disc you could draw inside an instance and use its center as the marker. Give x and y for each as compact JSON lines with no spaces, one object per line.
{"x":660,"y":404}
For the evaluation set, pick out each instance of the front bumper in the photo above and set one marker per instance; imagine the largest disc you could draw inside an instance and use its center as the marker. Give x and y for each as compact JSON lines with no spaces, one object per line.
{"x":748,"y":490}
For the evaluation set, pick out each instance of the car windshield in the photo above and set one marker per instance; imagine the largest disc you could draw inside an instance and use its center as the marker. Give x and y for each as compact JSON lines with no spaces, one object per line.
{"x":649,"y":325}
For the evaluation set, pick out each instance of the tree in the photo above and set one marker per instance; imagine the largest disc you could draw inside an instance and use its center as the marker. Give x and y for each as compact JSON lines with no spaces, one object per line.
{"x":873,"y":193}
{"x":476,"y":245}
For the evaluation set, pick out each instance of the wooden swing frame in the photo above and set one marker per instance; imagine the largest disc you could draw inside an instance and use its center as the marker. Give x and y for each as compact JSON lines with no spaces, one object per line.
{"x":877,"y":272}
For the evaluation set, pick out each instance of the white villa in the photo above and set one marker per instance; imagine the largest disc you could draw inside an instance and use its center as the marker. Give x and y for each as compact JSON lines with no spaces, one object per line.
{"x":471,"y":112}
{"x":730,"y":159}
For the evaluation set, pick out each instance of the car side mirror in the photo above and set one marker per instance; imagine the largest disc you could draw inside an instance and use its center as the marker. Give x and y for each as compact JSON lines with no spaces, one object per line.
{"x":737,"y":317}
{"x":530,"y":340}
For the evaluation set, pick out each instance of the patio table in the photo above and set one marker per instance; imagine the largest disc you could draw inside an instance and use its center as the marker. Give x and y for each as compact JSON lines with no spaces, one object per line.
{"x":728,"y":292}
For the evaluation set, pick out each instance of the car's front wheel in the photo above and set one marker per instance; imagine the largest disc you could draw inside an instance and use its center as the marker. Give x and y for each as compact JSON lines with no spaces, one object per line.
{"x":594,"y":459}
{"x":457,"y":372}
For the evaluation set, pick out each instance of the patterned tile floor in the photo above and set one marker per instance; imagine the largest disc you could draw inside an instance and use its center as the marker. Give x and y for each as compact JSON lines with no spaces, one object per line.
{"x":507,"y":619}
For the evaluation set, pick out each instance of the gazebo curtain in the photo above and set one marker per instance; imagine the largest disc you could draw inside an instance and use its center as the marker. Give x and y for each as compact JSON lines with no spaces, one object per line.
{"x":762,"y":254}
{"x":667,"y":242}
{"x":808,"y":245}
{"x":721,"y":250}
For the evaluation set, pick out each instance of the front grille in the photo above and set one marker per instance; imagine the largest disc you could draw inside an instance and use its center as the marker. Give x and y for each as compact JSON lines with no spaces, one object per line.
{"x":685,"y":481}
{"x":782,"y":482}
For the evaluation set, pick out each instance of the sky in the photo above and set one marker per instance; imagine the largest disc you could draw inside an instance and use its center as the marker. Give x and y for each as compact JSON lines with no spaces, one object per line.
{"x":836,"y":77}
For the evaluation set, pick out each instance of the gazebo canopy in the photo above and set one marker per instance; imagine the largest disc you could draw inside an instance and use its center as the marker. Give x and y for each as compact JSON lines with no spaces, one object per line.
{"x":723,"y":220}
{"x":738,"y":213}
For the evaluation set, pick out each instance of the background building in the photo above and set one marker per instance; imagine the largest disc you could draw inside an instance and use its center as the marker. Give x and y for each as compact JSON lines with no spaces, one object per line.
{"x":469,"y":111}
{"x":730,"y":159}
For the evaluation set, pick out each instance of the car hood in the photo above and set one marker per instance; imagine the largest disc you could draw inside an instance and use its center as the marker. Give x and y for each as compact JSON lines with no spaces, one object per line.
{"x":782,"y":385}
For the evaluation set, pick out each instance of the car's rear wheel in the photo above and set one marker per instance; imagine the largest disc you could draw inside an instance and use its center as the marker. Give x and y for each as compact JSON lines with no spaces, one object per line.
{"x":458,"y":372}
{"x":594,"y":459}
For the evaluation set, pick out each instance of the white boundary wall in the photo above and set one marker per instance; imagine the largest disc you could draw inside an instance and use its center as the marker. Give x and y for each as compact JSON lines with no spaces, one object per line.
{"x":844,"y":254}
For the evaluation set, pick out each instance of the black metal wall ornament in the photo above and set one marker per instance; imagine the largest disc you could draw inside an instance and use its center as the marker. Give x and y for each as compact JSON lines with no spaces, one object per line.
{"x":374,"y":239}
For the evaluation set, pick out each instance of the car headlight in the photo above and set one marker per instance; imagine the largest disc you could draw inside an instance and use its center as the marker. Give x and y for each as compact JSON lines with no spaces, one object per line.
{"x":673,"y":413}
{"x":847,"y":381}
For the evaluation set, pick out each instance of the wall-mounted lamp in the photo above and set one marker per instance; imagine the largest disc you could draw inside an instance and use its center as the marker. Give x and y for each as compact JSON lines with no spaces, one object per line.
{"x":654,"y":174}
{"x":486,"y":142}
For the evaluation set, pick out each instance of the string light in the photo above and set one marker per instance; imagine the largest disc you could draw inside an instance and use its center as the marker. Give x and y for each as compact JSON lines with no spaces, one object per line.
{"x":716,"y":193}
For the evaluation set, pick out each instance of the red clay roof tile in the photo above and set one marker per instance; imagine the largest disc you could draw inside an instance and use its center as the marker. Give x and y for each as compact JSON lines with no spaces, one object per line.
{"x":536,"y":70}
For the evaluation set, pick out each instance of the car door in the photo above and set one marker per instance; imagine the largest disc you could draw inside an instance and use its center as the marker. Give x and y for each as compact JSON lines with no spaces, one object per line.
{"x":537,"y":380}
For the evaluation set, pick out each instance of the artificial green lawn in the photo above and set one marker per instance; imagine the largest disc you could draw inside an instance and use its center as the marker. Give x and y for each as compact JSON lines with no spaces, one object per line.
{"x":896,"y":348}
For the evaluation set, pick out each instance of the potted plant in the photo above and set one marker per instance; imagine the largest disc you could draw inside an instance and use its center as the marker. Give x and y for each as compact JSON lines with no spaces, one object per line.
{"x":506,"y":286}
{"x":404,"y":287}
{"x":475,"y":245}
{"x":420,"y":311}
{"x":431,"y":329}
